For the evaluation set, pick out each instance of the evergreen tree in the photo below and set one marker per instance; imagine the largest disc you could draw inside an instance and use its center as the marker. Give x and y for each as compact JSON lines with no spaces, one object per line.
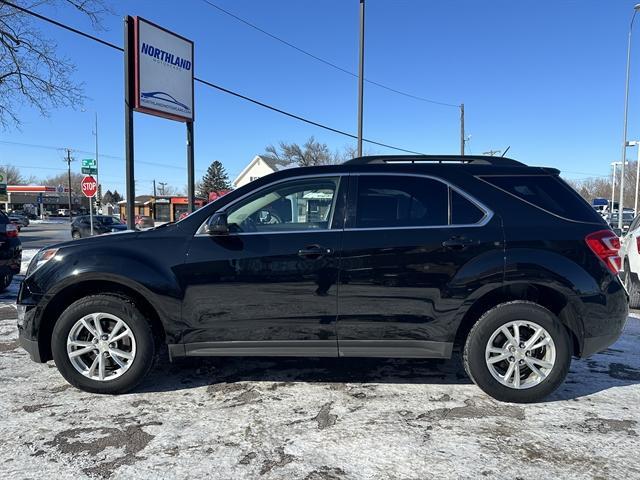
{"x":215,"y":180}
{"x":116,"y":196}
{"x":107,"y":197}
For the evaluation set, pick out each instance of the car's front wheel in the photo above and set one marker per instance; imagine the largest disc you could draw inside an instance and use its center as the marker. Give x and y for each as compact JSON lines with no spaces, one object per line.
{"x":76,"y":235}
{"x":103,"y":344}
{"x":518,"y":352}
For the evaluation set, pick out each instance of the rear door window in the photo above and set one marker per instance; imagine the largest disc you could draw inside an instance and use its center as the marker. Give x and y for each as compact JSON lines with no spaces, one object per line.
{"x":400,"y":201}
{"x":463,"y":211}
{"x":547,"y":192}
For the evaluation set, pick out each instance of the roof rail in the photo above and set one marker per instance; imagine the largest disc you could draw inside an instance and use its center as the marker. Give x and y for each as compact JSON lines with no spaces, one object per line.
{"x":466,"y":159}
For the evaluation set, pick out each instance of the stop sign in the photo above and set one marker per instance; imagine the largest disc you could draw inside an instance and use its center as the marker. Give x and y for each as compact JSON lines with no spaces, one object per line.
{"x":89,"y":186}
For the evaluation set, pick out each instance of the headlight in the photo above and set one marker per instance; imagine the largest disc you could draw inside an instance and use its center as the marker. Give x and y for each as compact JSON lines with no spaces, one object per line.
{"x":42,"y":257}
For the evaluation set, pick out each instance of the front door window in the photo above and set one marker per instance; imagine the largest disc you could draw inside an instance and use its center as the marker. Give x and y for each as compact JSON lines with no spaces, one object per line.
{"x":298,"y":205}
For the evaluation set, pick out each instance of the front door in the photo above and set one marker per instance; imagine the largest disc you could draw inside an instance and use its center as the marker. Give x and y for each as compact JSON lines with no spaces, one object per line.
{"x":269,"y":287}
{"x":410,"y":252}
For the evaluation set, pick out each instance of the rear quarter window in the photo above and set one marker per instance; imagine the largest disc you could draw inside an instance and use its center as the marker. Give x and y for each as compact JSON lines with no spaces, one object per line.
{"x":547,"y":192}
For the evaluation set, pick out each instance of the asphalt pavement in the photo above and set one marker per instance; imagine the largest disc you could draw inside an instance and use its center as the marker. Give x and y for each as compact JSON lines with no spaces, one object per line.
{"x":39,"y":235}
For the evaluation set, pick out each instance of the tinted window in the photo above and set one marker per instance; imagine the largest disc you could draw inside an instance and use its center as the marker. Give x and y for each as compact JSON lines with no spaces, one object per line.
{"x":463,"y":212}
{"x":395,"y":201}
{"x":109,"y":220}
{"x":3,"y":218}
{"x":296,"y":205}
{"x":549,"y":193}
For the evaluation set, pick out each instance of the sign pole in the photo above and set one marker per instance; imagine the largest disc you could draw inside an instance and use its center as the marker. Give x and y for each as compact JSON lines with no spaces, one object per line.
{"x":91,"y":214}
{"x":190,"y":169}
{"x":128,"y":120}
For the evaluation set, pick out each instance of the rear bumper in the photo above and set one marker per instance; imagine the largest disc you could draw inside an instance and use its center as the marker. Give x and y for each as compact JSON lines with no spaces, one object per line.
{"x":603,"y":317}
{"x":597,"y":344}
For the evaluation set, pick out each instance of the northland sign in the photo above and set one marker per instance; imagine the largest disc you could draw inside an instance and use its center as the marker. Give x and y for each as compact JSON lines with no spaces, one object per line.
{"x":163,"y":72}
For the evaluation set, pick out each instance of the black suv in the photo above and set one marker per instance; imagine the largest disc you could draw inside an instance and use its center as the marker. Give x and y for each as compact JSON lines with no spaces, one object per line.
{"x":377,"y":257}
{"x":10,"y":251}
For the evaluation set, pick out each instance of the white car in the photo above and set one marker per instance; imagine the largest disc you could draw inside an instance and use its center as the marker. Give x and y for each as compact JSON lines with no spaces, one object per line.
{"x":630,"y":255}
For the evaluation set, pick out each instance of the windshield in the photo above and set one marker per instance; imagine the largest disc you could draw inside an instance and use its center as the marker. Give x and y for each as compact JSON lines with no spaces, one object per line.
{"x":625,"y":216}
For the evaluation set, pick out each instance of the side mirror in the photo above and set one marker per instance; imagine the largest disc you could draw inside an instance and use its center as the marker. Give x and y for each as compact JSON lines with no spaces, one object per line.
{"x":218,"y":225}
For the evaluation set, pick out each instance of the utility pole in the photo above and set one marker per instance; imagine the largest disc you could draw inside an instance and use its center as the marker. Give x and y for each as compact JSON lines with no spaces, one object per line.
{"x":462,"y":139}
{"x":154,"y":188}
{"x":162,"y":185}
{"x":361,"y":79}
{"x":626,"y":111}
{"x":99,"y":192}
{"x":68,"y":160}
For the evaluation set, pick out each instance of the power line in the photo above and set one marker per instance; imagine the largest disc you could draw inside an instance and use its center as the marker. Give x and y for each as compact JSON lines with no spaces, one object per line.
{"x":322,"y":60}
{"x":213,"y":85}
{"x":49,"y":147}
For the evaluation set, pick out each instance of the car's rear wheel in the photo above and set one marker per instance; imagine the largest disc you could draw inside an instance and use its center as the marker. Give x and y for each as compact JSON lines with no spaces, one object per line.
{"x":632,"y":284}
{"x":76,"y":235}
{"x":518,"y":352}
{"x":6,"y":277}
{"x":103,"y":344}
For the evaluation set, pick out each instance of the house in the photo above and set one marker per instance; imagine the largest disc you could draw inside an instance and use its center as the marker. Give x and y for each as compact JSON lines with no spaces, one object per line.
{"x":161,"y":208}
{"x":258,"y":167}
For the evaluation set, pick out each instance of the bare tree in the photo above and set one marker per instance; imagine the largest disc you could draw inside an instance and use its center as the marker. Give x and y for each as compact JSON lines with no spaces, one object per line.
{"x":15,"y":177}
{"x":600,"y":187}
{"x":31,"y":70}
{"x":308,"y":155}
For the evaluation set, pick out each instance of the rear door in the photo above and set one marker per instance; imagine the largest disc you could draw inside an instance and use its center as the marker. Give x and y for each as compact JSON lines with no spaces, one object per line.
{"x":414,"y":249}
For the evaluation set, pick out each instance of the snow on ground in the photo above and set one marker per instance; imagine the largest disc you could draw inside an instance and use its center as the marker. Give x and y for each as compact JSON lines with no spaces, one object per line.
{"x":318,"y":419}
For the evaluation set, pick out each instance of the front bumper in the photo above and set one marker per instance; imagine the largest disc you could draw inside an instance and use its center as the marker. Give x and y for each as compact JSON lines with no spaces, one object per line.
{"x":27,"y":332}
{"x":31,"y":346}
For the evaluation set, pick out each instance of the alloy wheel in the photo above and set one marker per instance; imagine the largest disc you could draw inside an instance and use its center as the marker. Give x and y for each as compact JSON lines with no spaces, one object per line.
{"x":520,"y":354}
{"x":101,"y":346}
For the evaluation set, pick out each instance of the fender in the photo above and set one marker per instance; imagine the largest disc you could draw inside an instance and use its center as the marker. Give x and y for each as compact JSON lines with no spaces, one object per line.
{"x":150,"y":279}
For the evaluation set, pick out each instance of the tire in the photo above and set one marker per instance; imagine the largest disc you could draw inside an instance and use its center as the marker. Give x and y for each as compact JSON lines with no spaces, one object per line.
{"x":534,"y":387}
{"x":6,"y":277}
{"x":76,"y":235}
{"x":138,"y":344}
{"x":632,"y":284}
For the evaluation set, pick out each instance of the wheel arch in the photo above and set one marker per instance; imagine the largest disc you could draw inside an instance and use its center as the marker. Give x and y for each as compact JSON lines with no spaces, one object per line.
{"x":557,"y":302}
{"x":71,"y":293}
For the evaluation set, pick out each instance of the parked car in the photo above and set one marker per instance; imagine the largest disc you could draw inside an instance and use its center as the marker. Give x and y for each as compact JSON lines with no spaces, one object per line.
{"x":414,"y":257}
{"x":142,"y":222}
{"x":627,"y":218}
{"x":10,"y":251}
{"x":630,"y":254}
{"x":25,"y":213}
{"x":19,"y":220}
{"x":81,"y":226}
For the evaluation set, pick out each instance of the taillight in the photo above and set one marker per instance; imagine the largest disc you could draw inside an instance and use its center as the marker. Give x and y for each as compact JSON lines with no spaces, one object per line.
{"x":638,"y":243}
{"x":12,"y":230}
{"x":606,"y":244}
